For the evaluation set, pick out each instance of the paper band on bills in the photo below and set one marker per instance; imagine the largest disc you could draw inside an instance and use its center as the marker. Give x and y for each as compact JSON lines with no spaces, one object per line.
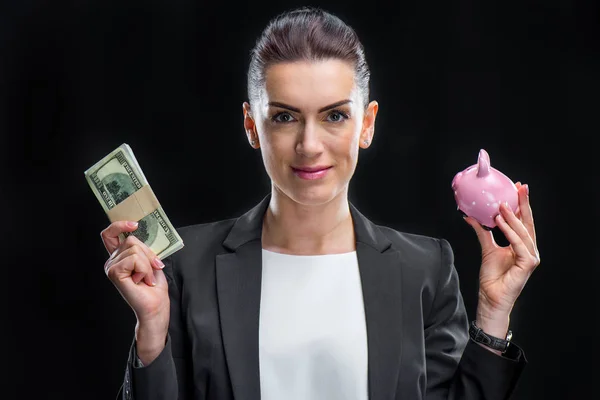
{"x":135,"y":207}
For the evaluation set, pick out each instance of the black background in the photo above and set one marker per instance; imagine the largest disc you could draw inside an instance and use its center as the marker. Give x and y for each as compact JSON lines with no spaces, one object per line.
{"x":77,"y":79}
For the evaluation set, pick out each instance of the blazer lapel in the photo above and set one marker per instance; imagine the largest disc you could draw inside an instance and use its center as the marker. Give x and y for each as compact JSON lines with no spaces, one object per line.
{"x":239,"y":274}
{"x":381,"y":278}
{"x":238,"y":288}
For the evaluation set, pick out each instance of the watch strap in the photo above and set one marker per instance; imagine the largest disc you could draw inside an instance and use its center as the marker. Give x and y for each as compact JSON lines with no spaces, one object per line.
{"x":479,"y":336}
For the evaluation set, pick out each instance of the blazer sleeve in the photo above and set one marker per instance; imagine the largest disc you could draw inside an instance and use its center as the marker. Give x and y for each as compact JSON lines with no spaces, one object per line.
{"x":168,"y":377}
{"x":458,"y":367}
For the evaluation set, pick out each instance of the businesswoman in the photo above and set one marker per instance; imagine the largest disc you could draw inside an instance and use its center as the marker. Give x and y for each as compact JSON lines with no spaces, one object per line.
{"x":303,"y":297}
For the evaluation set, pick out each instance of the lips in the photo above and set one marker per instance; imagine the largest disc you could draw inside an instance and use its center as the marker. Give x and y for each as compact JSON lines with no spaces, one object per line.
{"x":311,"y":173}
{"x":312,"y":169}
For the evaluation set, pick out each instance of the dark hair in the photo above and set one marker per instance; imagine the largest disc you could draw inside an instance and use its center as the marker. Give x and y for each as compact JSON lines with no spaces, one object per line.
{"x":311,"y":34}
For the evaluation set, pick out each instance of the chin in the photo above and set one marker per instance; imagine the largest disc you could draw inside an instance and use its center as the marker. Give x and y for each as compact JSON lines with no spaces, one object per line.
{"x":315,"y":196}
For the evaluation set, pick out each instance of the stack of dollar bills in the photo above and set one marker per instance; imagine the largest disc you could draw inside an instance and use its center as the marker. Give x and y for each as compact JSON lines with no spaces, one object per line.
{"x":124,"y":193}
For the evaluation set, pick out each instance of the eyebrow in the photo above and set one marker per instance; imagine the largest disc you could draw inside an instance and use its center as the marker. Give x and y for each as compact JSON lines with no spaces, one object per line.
{"x":329,"y":107}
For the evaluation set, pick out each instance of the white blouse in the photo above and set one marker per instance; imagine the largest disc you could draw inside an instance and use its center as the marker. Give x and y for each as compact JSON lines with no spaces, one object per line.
{"x":312,"y":331}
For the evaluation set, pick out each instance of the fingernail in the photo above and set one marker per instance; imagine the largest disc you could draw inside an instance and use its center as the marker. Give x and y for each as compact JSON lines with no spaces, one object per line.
{"x":159,"y":263}
{"x":132,"y":224}
{"x":153,"y":283}
{"x":508,"y":206}
{"x":527,"y":187}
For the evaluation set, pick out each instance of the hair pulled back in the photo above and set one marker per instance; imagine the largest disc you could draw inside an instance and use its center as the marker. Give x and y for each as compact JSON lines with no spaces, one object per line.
{"x":307,"y":34}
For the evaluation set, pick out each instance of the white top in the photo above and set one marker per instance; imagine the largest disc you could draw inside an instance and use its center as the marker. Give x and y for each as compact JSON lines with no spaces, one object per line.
{"x":312,"y":331}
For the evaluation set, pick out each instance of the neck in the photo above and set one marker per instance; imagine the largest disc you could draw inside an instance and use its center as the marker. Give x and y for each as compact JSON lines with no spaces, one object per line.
{"x":293,"y":228}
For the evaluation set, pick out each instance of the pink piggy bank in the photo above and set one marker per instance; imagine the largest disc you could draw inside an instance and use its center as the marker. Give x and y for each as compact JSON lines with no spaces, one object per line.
{"x":479,"y":190}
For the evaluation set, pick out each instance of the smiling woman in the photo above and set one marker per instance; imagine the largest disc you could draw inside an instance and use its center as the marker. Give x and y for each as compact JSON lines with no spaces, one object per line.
{"x":303,"y":297}
{"x":310,"y":121}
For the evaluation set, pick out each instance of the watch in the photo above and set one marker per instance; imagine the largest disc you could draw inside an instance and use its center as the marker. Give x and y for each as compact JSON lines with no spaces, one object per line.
{"x":479,"y":336}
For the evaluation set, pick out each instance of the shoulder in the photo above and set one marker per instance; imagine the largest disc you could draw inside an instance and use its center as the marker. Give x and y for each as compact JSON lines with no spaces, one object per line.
{"x":423,"y":257}
{"x":209,"y":235}
{"x":208,"y":229}
{"x":417,"y":244}
{"x":200,"y":242}
{"x":427,"y":265}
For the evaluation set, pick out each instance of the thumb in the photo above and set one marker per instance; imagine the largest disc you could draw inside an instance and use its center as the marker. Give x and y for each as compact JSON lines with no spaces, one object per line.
{"x":159,"y":278}
{"x":486,"y":238}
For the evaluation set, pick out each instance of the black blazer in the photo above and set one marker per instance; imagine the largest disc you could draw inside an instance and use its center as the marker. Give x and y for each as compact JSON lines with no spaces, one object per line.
{"x":417,"y":327}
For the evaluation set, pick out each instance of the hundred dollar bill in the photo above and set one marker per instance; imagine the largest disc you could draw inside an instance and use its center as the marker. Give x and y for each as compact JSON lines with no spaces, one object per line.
{"x":113,"y":180}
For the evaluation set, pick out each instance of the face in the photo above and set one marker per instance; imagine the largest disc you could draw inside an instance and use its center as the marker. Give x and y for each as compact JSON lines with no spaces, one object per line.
{"x":309,"y":124}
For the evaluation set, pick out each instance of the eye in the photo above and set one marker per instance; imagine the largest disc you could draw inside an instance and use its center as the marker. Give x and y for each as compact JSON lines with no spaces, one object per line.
{"x":282,"y":117}
{"x":337,"y":116}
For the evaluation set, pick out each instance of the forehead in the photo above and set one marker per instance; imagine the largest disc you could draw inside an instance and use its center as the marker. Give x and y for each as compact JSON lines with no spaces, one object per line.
{"x":310,"y":84}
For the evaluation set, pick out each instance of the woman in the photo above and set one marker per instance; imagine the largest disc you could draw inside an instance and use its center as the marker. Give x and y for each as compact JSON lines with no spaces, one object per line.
{"x":303,"y":297}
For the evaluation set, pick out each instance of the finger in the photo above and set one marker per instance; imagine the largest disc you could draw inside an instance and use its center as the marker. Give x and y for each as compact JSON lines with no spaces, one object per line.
{"x":133,"y":242}
{"x":517,"y":226}
{"x":159,"y":278}
{"x":486,"y":238}
{"x":141,"y":250}
{"x":526,"y":213}
{"x":135,"y":249}
{"x":133,"y":266}
{"x":130,"y":246}
{"x":110,"y":235}
{"x":148,"y":278}
{"x":518,"y":210}
{"x":520,"y":249}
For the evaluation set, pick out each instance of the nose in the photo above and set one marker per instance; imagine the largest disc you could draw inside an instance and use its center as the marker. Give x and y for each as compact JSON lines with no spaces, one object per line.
{"x":309,"y":143}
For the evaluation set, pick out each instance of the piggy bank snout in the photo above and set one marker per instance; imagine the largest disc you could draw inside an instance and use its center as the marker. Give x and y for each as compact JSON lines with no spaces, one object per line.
{"x":455,"y":180}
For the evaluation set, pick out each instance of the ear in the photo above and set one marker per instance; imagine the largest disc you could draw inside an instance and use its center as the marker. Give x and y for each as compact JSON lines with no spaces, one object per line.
{"x":368,"y":126}
{"x":250,"y":126}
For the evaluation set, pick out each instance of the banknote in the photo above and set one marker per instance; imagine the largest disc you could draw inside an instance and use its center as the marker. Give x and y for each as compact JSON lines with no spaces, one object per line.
{"x":124,"y":193}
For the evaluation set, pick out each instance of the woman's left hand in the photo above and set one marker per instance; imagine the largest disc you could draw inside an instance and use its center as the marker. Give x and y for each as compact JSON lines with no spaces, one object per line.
{"x":505,"y":270}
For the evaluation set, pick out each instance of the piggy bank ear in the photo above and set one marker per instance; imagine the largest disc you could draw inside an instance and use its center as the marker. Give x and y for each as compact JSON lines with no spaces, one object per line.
{"x":483,"y":164}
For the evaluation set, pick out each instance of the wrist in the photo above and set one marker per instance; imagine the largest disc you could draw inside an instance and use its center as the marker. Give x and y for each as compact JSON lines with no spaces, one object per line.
{"x":492,"y":320}
{"x":496,"y":325}
{"x":150,"y":341}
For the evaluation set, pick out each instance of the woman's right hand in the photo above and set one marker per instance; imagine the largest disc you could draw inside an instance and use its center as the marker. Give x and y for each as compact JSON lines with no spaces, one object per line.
{"x":137,"y":274}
